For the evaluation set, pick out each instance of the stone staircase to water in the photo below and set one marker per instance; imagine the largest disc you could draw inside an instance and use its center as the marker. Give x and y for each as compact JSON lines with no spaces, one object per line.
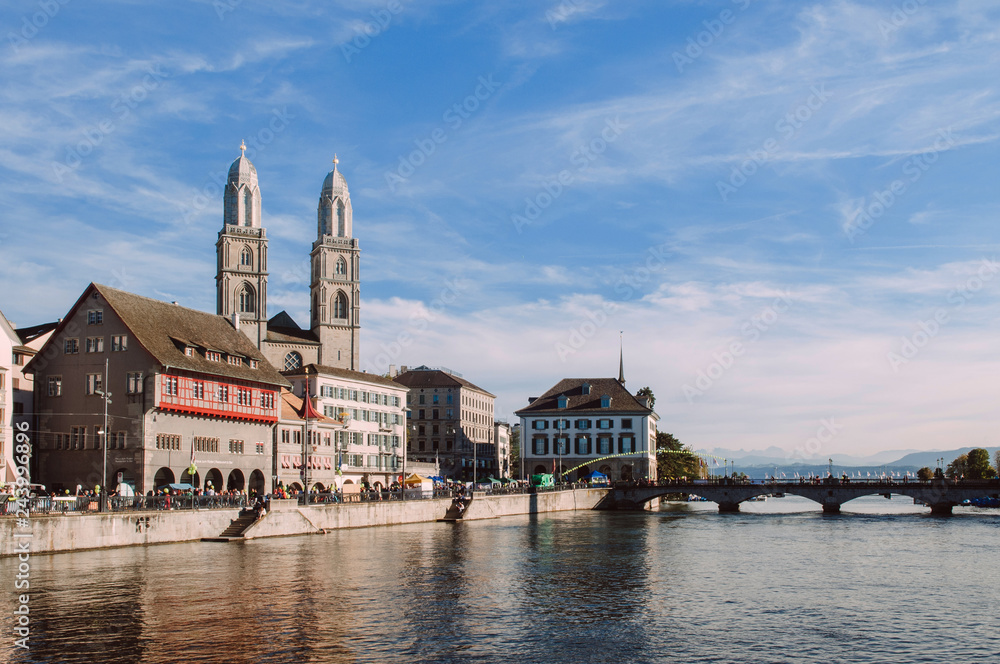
{"x":457,"y":510}
{"x":235,"y":530}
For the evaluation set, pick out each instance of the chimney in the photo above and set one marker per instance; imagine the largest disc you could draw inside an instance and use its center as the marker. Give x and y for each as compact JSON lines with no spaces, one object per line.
{"x":392,"y":371}
{"x":235,"y":320}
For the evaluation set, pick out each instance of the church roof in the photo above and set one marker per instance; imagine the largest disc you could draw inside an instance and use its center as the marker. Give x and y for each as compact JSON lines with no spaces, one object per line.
{"x":242,"y":171}
{"x":290,"y":335}
{"x":334,"y":185}
{"x":424,"y":378}
{"x":578,"y":402}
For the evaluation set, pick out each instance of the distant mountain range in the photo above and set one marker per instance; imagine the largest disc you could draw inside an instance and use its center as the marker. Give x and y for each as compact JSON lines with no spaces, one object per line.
{"x":898,"y":460}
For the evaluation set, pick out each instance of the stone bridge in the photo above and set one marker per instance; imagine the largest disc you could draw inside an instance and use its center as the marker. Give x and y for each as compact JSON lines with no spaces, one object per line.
{"x":939,"y":494}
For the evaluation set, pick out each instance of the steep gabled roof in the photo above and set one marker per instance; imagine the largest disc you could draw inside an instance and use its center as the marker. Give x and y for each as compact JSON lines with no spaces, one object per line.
{"x":578,"y":402}
{"x":163,"y":329}
{"x":423,"y":378}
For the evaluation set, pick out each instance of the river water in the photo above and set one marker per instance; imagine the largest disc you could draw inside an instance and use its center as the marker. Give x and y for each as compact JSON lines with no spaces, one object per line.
{"x":779,"y":582}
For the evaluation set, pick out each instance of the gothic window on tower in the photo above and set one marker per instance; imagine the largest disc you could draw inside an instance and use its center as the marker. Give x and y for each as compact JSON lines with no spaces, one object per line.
{"x":340,"y":306}
{"x":340,"y":219}
{"x":246,"y":299}
{"x":293,"y":361}
{"x":341,"y":267}
{"x":246,"y":258}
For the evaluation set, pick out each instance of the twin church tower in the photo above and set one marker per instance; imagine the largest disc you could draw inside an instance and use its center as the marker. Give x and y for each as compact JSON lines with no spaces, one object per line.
{"x":334,"y":334}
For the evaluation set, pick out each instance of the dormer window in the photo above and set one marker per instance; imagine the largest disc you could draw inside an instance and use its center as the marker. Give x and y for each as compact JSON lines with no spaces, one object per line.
{"x":605,"y":401}
{"x":585,"y":388}
{"x":253,"y":364}
{"x":189,"y":351}
{"x":563,"y":401}
{"x":213,"y":356}
{"x":235,"y":360}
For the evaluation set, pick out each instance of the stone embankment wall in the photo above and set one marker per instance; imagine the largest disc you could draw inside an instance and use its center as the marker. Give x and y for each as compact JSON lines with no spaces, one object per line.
{"x":76,"y":532}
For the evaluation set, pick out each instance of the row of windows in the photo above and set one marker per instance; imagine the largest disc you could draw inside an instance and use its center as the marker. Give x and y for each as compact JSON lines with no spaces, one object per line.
{"x":341,"y":438}
{"x":241,"y":396}
{"x":375,"y":398}
{"x":583,"y":445}
{"x":435,"y":398}
{"x":71,"y":346}
{"x":581,"y":424}
{"x":171,"y":441}
{"x":77,"y":439}
{"x":216,"y":356}
{"x":203,"y":444}
{"x":377,"y":416}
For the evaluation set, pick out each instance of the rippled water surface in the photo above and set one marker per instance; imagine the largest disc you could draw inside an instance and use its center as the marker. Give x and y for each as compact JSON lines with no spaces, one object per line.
{"x":780,"y":582}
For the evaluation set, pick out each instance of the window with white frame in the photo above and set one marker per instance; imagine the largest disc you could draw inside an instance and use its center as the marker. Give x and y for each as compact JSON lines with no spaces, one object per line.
{"x":95,"y":345}
{"x":119,"y":342}
{"x":55,"y":386}
{"x":133,"y":382}
{"x":71,"y":346}
{"x":95,"y":317}
{"x":95,"y":383}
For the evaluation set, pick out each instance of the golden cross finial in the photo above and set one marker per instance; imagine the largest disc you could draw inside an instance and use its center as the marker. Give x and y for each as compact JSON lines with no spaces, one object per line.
{"x":243,"y":148}
{"x":335,"y":160}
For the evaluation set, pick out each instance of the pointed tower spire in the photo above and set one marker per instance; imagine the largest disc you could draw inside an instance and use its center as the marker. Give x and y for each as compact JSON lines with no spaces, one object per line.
{"x":621,"y":359}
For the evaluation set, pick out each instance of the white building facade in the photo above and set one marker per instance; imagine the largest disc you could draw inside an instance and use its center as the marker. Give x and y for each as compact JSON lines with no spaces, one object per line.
{"x":361,"y":435}
{"x":582,"y":425}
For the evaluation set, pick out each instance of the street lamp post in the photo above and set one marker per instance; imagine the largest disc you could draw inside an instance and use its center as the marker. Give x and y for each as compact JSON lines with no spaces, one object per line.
{"x":406,"y":443}
{"x":305,"y":439}
{"x":106,"y":396}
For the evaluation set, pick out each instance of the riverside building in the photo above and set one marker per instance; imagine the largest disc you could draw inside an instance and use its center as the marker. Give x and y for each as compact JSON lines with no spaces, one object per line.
{"x":178,"y":386}
{"x":589,"y":424}
{"x":451,"y":423}
{"x":356,"y":429}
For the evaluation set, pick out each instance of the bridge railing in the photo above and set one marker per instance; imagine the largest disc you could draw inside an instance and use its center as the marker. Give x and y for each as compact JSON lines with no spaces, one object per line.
{"x":834,"y":481}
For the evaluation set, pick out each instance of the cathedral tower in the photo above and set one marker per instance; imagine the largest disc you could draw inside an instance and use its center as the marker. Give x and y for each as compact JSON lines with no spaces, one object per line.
{"x":241,"y":273}
{"x":335,"y":287}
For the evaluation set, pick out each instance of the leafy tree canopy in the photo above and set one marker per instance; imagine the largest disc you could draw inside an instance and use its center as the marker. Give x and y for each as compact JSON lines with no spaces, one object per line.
{"x":647,"y":392}
{"x":978,"y":465}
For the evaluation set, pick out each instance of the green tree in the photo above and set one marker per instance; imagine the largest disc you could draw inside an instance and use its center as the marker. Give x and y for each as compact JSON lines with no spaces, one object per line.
{"x":996,"y":460}
{"x":647,"y":392}
{"x":959,"y":467}
{"x":925,"y":474}
{"x":978,"y":464}
{"x":515,"y":452}
{"x":678,"y":461}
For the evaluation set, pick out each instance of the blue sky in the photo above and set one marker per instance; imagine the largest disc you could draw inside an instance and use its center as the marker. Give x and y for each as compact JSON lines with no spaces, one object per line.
{"x":789,"y":209}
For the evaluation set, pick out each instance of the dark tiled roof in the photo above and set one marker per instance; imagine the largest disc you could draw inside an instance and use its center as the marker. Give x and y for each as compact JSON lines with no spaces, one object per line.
{"x":292,"y":335}
{"x":155,"y":325}
{"x":30,"y":333}
{"x":578,"y":402}
{"x":321,"y":369}
{"x":417,"y":379}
